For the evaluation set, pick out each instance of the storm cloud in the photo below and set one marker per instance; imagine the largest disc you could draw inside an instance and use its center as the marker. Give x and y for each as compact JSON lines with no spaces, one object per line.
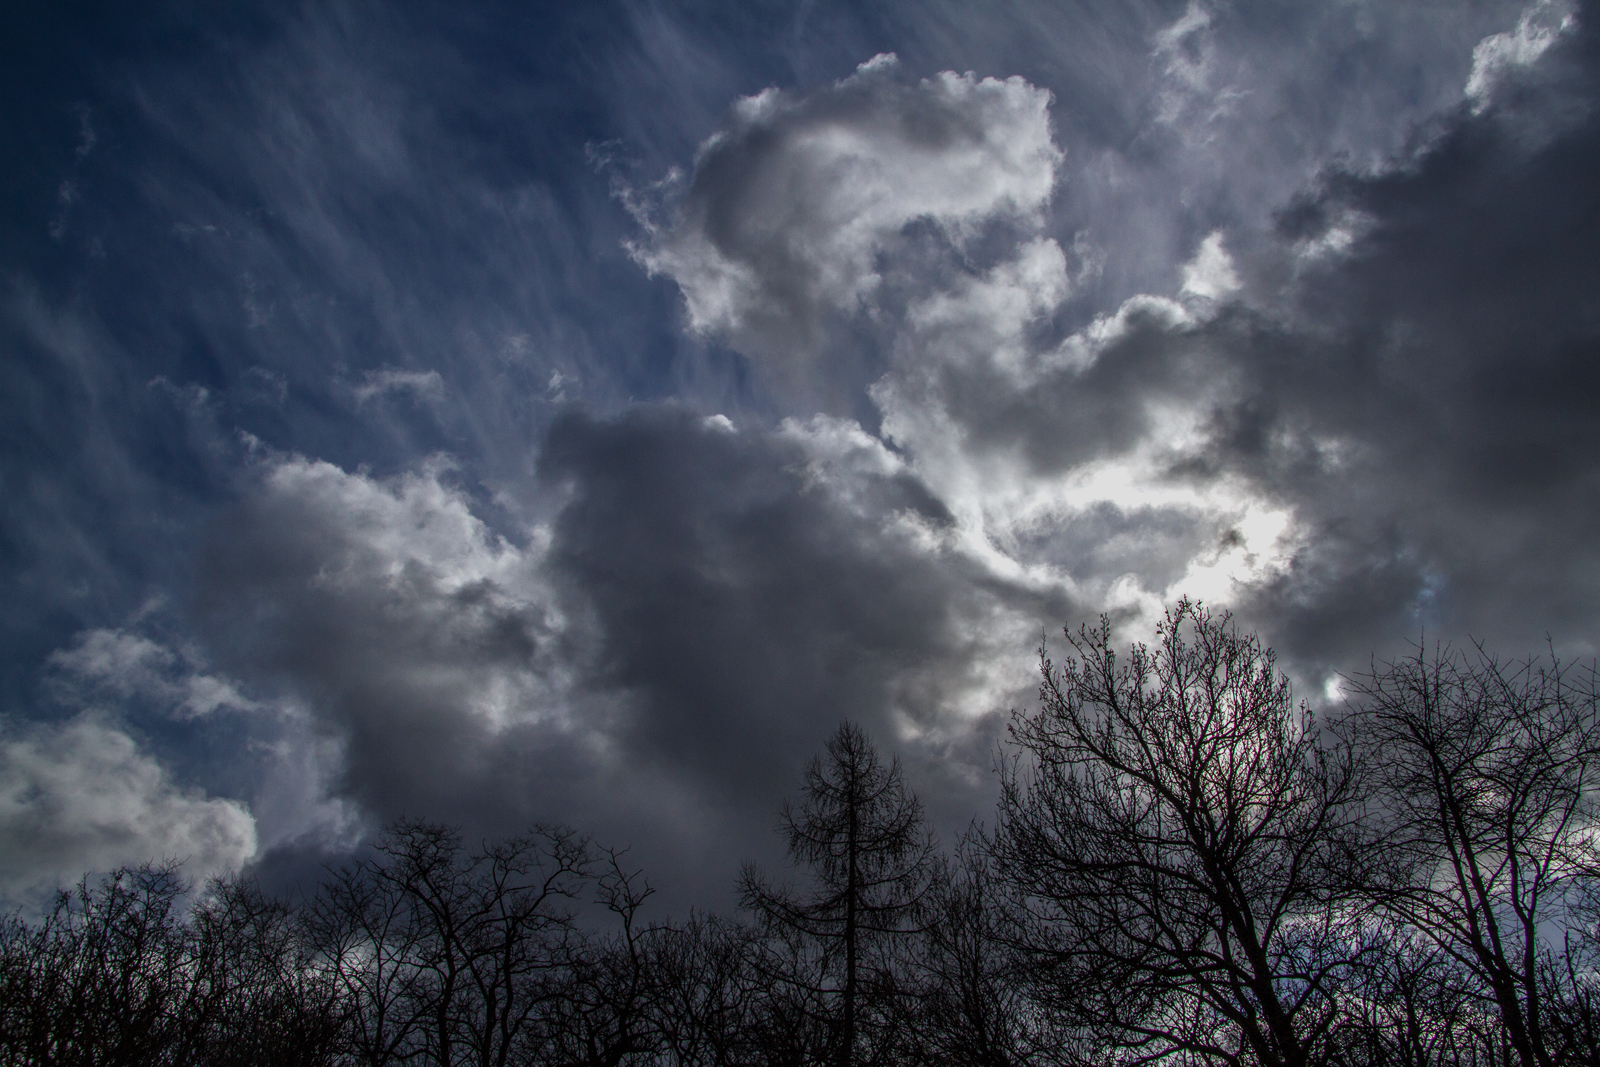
{"x":498,"y":416}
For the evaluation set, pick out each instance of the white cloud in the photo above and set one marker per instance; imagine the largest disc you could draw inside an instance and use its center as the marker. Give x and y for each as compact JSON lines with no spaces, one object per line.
{"x":1210,"y":274}
{"x":794,"y":202}
{"x":298,"y":798}
{"x":797,"y":211}
{"x":793,"y":215}
{"x":1499,"y":54}
{"x":843,"y":459}
{"x":1011,"y":514}
{"x":987,"y":318}
{"x":81,"y":796}
{"x":1190,"y":95}
{"x":385,"y":528}
{"x":425,"y":385}
{"x":116,"y":663}
{"x":103,"y":670}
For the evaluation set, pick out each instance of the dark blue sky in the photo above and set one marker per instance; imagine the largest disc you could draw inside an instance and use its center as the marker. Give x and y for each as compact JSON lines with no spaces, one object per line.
{"x":508,"y":412}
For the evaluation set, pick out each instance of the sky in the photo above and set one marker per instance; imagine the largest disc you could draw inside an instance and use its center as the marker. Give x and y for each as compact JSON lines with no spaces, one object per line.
{"x":501,"y":413}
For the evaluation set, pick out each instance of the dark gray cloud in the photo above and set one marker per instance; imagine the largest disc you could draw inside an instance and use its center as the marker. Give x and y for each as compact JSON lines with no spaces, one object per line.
{"x":1462,"y":366}
{"x":412,"y":632}
{"x":747,"y":607}
{"x":708,"y":604}
{"x":1425,"y":398}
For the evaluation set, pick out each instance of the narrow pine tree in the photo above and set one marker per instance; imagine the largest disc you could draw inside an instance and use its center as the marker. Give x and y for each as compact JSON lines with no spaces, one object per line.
{"x":859,"y":831}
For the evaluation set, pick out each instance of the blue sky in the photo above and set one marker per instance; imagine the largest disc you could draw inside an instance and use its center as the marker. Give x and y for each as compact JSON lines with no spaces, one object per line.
{"x":500,"y":413}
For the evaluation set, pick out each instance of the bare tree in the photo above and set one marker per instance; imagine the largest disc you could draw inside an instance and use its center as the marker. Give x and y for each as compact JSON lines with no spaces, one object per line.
{"x":100,"y":979}
{"x":706,"y":998}
{"x":116,"y":973}
{"x":446,"y":955}
{"x":1414,"y":1007}
{"x":859,"y":830}
{"x":251,"y":991}
{"x":1487,"y":774}
{"x":1178,"y":846}
{"x":368,"y":939}
{"x":1570,"y":1010}
{"x":973,"y":1003}
{"x":602,"y":1017}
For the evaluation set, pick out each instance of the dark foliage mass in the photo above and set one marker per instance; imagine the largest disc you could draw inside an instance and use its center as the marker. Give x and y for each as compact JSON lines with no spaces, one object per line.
{"x":1186,"y":867}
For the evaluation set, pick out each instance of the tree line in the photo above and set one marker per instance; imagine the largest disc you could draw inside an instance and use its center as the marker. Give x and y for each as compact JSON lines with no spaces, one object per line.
{"x":1185,"y":867}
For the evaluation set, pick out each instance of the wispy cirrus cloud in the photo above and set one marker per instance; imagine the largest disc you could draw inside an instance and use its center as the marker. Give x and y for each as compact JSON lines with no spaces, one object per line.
{"x":119,"y":665}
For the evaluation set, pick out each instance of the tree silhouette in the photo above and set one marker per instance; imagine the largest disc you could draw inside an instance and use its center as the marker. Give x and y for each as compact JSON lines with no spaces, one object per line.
{"x":445,"y":955}
{"x":1178,"y":846}
{"x":859,"y":831}
{"x":1487,"y":773}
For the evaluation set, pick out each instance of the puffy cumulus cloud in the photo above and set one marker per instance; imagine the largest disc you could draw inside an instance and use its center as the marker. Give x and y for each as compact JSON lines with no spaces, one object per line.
{"x":1342,"y":425}
{"x":1040,"y":443}
{"x":988,"y":317}
{"x":706,"y":605}
{"x":792,"y":206}
{"x":1071,"y":478}
{"x":1370,"y":420}
{"x":433,"y":668}
{"x":1015,"y":430}
{"x":83,"y":796}
{"x":286,"y":767}
{"x":1015,"y":426}
{"x":413,"y":634}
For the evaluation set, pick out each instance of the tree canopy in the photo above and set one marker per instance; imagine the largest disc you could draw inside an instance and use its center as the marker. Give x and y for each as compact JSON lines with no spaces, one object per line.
{"x":1186,"y":866}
